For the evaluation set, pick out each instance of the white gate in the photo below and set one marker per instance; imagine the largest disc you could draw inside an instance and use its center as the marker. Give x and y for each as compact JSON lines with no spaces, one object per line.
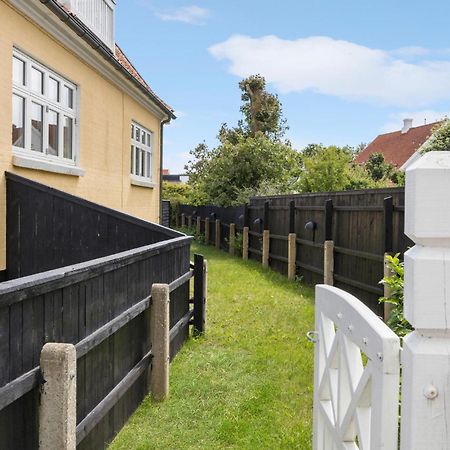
{"x":356,"y":376}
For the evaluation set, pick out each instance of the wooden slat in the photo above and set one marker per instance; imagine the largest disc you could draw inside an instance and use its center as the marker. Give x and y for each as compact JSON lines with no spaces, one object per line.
{"x":359,"y":254}
{"x":97,"y":414}
{"x":180,"y":281}
{"x":181,"y":324}
{"x":16,"y":290}
{"x":279,"y":237}
{"x":278,"y":258}
{"x":18,"y":387}
{"x":308,"y":243}
{"x":358,"y":284}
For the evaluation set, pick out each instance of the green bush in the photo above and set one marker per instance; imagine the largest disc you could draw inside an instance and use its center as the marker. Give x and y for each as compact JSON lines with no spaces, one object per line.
{"x":395,"y":282}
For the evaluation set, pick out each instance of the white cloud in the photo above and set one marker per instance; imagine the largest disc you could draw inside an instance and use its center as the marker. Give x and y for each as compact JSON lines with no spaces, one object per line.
{"x":188,"y":14}
{"x":339,"y":68}
{"x":395,"y":122}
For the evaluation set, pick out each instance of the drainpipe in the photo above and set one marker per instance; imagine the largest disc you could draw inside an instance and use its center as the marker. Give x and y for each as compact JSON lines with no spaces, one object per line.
{"x":161,"y":149}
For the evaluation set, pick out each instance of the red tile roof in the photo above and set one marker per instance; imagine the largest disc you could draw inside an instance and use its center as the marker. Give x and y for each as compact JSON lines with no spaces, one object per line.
{"x":125,"y":62}
{"x":396,"y":147}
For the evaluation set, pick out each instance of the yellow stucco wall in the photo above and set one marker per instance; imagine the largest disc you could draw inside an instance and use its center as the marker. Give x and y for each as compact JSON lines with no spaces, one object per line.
{"x":105,"y":120}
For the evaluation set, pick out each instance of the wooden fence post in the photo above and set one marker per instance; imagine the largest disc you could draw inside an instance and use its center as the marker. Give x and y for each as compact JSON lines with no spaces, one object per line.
{"x":426,"y":351}
{"x":199,"y":225}
{"x":328,"y":246}
{"x":292,"y":243}
{"x":266,"y":236}
{"x":183,"y":222}
{"x":206,"y":230}
{"x":388,"y":248}
{"x":159,"y":323}
{"x":200,"y":283}
{"x":265,"y":248}
{"x":245,"y":243}
{"x":57,"y":409}
{"x":217,"y":233}
{"x":328,"y":263}
{"x":232,"y":240}
{"x":189,"y":224}
{"x":292,"y":255}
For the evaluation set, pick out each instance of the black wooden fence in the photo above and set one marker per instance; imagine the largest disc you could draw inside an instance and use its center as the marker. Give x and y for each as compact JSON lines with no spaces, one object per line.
{"x":363,"y":225}
{"x":101,"y":306}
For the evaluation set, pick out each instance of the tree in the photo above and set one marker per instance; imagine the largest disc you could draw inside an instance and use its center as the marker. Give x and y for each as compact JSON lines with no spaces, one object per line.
{"x":377,"y":167}
{"x":250,"y":157}
{"x":326,"y":170}
{"x":440,"y":140}
{"x":233,"y":168}
{"x":262,"y":111}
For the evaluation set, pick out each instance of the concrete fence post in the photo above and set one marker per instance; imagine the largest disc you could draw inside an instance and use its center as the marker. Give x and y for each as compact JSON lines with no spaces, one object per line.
{"x":232,"y":241}
{"x":292,"y":255}
{"x":217,"y":243}
{"x":265,"y":248}
{"x":57,"y":409}
{"x":189,"y":222}
{"x":328,"y":263}
{"x":183,"y":220}
{"x":426,"y":350}
{"x":199,"y":225}
{"x":245,"y":243}
{"x":386,"y":290}
{"x":159,"y":322}
{"x":206,"y":230}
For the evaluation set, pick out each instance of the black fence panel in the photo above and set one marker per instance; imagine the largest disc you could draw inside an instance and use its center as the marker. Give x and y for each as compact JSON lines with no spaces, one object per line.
{"x":47,"y":229}
{"x":363,"y":228}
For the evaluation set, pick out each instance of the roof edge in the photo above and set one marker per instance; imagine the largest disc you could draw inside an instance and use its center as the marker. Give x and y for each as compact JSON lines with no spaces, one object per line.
{"x":85,"y":33}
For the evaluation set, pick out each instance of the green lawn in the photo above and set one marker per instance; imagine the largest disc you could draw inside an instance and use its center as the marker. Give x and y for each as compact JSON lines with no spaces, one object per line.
{"x":248,"y":383}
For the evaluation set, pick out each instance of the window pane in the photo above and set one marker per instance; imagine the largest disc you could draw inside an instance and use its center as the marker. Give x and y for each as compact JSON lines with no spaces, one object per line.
{"x":147,"y":166}
{"x":37,"y":80}
{"x":132,"y":131}
{"x":18,"y":114}
{"x":18,"y":71}
{"x":36,"y":127}
{"x":53,"y":133}
{"x":148,"y":140}
{"x":53,"y":89}
{"x":68,"y":97}
{"x":142,"y":163}
{"x":137,"y":153}
{"x":138,"y":134}
{"x":68,"y":137}
{"x":132,"y":155}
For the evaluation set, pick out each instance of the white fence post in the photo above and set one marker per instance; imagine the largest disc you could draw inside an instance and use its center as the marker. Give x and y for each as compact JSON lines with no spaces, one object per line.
{"x":426,"y":354}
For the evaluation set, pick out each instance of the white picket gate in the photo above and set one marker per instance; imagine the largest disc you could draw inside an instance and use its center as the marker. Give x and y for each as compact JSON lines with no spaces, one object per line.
{"x":356,"y":379}
{"x":356,"y":385}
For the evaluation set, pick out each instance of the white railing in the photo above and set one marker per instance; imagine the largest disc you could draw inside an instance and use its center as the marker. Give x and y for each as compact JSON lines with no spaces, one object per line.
{"x":98,"y":15}
{"x":356,"y":376}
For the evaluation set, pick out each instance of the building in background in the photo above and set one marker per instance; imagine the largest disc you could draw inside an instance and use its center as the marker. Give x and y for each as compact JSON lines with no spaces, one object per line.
{"x":399,"y":148}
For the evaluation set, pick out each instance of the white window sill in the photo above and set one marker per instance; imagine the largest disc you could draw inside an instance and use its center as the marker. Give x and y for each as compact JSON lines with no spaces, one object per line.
{"x":48,"y":166}
{"x":142,"y":182}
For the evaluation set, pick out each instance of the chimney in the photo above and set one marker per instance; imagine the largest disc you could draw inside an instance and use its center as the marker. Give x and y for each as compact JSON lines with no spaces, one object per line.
{"x":407,"y":125}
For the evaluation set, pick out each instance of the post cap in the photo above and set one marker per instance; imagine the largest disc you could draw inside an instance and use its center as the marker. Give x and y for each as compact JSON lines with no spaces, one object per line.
{"x":427,"y":205}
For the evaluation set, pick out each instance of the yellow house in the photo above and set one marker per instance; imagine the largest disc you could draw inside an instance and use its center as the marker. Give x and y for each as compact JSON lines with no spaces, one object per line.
{"x":76,"y":115}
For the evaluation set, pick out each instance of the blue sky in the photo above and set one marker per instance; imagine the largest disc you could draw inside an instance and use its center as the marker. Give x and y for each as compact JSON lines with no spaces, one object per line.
{"x":345,"y":70}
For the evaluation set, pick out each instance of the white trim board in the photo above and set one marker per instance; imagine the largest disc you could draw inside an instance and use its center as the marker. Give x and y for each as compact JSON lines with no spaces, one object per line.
{"x":52,"y":25}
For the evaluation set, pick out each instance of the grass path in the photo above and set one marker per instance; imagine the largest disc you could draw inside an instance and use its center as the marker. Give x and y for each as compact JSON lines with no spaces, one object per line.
{"x":248,"y":383}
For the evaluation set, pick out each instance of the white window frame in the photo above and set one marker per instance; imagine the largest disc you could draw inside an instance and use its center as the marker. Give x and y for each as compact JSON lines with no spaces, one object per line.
{"x":24,"y":156}
{"x":143,"y":176}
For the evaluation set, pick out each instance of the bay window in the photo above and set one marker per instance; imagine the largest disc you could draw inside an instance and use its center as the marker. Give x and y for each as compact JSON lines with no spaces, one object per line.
{"x":44,"y":112}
